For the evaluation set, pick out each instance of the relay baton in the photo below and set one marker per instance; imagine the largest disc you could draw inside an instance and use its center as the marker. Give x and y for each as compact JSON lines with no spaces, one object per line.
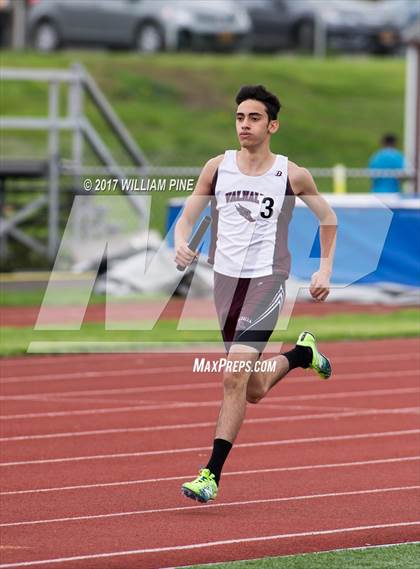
{"x":197,"y":237}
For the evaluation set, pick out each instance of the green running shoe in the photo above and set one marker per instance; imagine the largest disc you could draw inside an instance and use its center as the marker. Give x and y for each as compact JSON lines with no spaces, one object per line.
{"x":320,"y":363}
{"x":203,"y":488}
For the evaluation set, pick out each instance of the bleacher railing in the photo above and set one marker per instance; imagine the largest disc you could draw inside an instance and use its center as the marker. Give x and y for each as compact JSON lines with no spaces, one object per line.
{"x":80,"y":83}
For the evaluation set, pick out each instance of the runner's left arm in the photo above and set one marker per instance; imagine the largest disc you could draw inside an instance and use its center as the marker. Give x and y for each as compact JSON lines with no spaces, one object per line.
{"x":305,"y":188}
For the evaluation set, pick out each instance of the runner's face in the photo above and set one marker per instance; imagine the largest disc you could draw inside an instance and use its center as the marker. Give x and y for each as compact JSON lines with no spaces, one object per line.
{"x":253,"y":125}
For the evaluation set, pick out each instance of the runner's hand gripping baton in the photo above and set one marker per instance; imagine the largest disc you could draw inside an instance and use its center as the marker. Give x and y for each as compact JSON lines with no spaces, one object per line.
{"x":197,"y":237}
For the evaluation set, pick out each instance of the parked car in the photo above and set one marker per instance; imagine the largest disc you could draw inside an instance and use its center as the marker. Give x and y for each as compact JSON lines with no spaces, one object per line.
{"x":5,"y":22}
{"x":146,"y":25}
{"x":349,"y":25}
{"x":403,"y":13}
{"x":272,"y":24}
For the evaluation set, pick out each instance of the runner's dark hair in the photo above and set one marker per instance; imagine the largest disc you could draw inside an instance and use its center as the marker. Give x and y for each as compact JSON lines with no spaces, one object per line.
{"x":260,"y":93}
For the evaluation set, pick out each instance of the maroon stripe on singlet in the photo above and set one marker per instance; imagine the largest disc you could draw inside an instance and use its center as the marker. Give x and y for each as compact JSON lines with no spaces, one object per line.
{"x":214,"y":219}
{"x":281,"y":260}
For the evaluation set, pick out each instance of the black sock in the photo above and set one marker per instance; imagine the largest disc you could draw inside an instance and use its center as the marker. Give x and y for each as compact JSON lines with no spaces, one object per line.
{"x":221,"y":449}
{"x":300,"y":356}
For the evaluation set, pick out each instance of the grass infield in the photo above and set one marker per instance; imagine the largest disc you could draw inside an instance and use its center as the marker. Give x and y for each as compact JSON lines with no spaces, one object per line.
{"x":405,"y":556}
{"x":66,"y":295}
{"x":94,"y":337}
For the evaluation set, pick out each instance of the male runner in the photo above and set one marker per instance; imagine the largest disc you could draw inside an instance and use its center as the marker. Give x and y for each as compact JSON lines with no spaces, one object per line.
{"x":253,"y":193}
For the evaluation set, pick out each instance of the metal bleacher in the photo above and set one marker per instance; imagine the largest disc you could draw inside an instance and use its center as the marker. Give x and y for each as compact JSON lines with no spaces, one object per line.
{"x":12,"y":169}
{"x":80,"y":85}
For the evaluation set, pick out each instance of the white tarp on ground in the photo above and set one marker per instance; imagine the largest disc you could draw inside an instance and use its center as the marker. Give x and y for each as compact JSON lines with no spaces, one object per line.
{"x":127,"y":276}
{"x":145,"y":264}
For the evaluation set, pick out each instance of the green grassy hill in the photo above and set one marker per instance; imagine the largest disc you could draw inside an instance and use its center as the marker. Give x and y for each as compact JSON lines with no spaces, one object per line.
{"x":179,"y":107}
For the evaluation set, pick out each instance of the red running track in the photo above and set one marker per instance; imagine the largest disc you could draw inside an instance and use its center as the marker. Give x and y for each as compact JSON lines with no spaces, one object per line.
{"x":95,"y":449}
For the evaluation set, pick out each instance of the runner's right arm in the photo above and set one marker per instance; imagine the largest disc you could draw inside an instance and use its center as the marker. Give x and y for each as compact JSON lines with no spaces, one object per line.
{"x":194,"y":205}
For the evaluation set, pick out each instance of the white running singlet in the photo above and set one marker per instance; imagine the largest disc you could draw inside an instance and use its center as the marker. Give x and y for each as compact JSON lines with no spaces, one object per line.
{"x":250,"y":219}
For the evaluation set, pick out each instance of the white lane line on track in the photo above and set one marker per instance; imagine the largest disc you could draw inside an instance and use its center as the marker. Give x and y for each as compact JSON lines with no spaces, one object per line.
{"x":92,"y":374}
{"x":42,"y":359}
{"x":208,"y":544}
{"x":214,"y":506}
{"x":232,"y":473}
{"x":33,"y":361}
{"x":180,"y":426}
{"x":143,"y":369}
{"x":186,"y":386}
{"x":196,"y":404}
{"x":337,"y":550}
{"x":265,"y":404}
{"x":149,"y":389}
{"x":202,"y":449}
{"x":134,"y":401}
{"x":14,"y":361}
{"x":362,"y":410}
{"x":89,"y":404}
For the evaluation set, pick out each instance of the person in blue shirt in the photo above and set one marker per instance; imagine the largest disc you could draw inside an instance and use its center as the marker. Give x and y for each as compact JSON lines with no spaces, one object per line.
{"x":387,"y":158}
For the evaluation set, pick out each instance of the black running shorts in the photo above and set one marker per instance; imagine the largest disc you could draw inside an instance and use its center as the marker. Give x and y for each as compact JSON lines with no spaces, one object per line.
{"x":248,"y":308}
